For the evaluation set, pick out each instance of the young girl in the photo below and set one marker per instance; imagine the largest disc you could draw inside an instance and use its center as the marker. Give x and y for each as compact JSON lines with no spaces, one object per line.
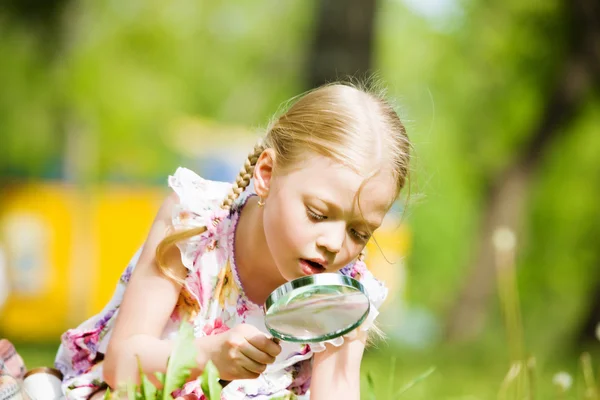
{"x":325,"y":175}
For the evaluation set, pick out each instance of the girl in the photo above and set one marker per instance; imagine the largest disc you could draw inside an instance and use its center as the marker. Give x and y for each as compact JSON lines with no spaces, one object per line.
{"x":325,"y":175}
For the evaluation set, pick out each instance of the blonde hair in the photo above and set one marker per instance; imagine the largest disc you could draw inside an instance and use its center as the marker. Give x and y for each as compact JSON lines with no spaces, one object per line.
{"x":353,"y":125}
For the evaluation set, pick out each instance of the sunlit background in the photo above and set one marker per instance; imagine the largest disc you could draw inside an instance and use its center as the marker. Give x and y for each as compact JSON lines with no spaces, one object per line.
{"x":493,"y":259}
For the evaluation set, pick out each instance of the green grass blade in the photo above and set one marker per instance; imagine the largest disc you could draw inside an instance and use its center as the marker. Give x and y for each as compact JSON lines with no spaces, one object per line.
{"x":209,"y":382}
{"x":147,"y":388}
{"x":392,"y":376}
{"x":370,"y":387}
{"x":412,"y":383}
{"x":181,"y":361}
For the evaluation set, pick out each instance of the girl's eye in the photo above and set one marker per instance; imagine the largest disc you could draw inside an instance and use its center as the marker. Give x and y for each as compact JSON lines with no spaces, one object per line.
{"x":362,"y":236}
{"x":315,"y":216}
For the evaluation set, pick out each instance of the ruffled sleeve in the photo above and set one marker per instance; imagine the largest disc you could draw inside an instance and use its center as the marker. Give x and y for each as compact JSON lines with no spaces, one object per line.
{"x":376,"y":290}
{"x":199,"y":206}
{"x":377,"y":293}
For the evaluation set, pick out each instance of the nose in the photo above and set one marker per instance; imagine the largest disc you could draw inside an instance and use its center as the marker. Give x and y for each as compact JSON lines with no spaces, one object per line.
{"x":332,"y":237}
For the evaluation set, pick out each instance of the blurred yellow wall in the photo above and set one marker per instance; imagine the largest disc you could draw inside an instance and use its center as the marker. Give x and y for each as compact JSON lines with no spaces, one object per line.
{"x":65,"y":249}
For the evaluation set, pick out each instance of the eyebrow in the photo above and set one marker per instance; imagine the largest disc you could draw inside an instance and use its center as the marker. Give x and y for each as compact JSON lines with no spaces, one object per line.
{"x":330,"y":204}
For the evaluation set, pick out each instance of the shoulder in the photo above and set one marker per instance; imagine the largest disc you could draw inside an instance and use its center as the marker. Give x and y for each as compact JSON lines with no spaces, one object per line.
{"x":375,"y":288}
{"x":207,"y":228}
{"x":195,"y":192}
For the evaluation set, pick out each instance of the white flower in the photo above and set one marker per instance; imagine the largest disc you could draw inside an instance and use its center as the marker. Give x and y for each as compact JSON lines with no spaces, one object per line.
{"x":563,"y":380}
{"x":504,"y":239}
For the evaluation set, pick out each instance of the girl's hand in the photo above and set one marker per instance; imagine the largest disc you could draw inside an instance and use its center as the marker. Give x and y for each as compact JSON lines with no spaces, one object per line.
{"x":242,"y":352}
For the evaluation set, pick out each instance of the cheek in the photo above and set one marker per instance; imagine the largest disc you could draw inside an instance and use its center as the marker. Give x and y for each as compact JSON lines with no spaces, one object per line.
{"x":286,"y":229}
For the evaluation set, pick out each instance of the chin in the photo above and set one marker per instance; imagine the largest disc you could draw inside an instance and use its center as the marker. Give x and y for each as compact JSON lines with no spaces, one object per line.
{"x":290,"y":275}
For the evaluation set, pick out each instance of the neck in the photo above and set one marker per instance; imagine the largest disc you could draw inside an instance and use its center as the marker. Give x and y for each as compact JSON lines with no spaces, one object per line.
{"x":255,"y":266}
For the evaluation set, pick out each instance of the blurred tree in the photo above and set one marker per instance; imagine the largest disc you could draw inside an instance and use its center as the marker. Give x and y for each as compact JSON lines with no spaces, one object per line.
{"x":39,"y":15}
{"x":128,"y":79}
{"x":589,"y":328}
{"x":343,"y":40}
{"x":31,"y":107}
{"x":575,"y":79}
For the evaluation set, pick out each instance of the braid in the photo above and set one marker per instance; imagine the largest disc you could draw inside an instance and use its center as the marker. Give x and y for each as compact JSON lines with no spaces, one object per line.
{"x":243,"y":179}
{"x":241,"y":182}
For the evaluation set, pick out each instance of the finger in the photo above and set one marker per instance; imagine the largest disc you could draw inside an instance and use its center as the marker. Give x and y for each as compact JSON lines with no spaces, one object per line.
{"x":252,"y":366}
{"x":265,"y":344}
{"x":248,"y":374}
{"x":256,"y":354}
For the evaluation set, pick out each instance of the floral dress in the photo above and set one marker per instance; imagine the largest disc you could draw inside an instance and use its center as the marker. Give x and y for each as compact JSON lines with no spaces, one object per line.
{"x":212,"y":299}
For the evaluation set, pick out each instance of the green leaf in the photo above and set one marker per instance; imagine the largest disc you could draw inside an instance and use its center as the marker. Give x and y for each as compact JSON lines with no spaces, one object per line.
{"x":209,"y":381}
{"x":414,"y":381}
{"x":131,"y":391}
{"x":107,"y":395}
{"x":160,"y":376}
{"x":181,"y":361}
{"x":370,"y":386}
{"x":121,"y":392}
{"x":392,"y":378}
{"x":147,"y":388}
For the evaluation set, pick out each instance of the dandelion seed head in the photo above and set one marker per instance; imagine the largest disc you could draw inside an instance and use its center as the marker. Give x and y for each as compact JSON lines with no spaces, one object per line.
{"x":504,"y":239}
{"x":563,"y":380}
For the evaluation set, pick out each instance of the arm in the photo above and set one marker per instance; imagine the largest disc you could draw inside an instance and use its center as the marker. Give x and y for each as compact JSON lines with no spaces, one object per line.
{"x":147,"y":305}
{"x":148,"y":302}
{"x":336,"y":371}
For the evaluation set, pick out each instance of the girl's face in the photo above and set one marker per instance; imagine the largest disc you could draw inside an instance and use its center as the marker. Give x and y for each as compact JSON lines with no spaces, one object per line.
{"x":312,"y":219}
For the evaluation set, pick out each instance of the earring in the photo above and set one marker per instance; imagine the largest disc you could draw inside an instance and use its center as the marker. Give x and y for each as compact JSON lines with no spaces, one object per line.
{"x":260,"y":202}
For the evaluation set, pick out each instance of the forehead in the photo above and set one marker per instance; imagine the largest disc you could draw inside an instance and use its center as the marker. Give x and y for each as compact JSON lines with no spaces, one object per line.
{"x":327,"y":179}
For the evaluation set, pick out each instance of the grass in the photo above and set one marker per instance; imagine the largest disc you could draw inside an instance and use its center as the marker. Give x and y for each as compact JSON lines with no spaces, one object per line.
{"x":497,"y":367}
{"x":473,"y":373}
{"x":37,"y":354}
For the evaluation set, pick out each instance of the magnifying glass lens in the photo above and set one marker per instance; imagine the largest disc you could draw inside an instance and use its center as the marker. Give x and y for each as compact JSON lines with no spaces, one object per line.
{"x":314,"y":311}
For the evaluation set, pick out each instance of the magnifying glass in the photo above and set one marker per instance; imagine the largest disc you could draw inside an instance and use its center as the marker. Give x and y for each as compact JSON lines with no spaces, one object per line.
{"x":316,"y":308}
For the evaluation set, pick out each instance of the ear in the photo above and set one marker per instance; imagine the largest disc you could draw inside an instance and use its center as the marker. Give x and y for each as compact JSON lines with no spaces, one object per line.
{"x":263,"y":172}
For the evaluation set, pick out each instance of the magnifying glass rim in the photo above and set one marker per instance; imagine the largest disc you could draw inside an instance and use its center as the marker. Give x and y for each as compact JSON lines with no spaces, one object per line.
{"x":321,"y":280}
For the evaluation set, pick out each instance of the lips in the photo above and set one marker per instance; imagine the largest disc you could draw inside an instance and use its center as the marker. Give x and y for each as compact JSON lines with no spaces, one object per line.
{"x":311,"y":267}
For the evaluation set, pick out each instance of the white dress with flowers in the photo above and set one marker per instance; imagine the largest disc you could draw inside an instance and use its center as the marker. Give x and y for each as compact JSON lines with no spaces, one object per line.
{"x":212,"y":299}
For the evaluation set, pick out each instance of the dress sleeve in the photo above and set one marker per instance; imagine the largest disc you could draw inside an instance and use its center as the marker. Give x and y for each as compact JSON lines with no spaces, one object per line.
{"x":376,"y":291}
{"x":199,"y":206}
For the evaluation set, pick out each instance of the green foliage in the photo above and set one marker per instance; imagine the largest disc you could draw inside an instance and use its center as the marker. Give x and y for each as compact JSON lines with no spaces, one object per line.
{"x":181,"y":362}
{"x":412,"y":383}
{"x":179,"y":366}
{"x":147,"y":388}
{"x":210,"y":382}
{"x":120,"y":78}
{"x":392,"y":394}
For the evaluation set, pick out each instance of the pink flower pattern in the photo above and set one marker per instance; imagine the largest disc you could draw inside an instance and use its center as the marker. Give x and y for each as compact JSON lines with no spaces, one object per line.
{"x":215,"y":328}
